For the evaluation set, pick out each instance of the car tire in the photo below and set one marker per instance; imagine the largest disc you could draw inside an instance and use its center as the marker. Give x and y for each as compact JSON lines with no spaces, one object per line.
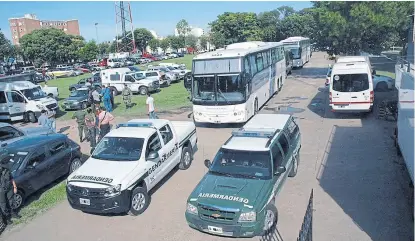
{"x":186,"y":159}
{"x":270,"y":219}
{"x":18,"y":200}
{"x":143,"y":90}
{"x":382,"y":87}
{"x":75,"y":164}
{"x":84,"y":106}
{"x":296,"y":163}
{"x":31,"y":116}
{"x":139,"y":201}
{"x":114,"y":91}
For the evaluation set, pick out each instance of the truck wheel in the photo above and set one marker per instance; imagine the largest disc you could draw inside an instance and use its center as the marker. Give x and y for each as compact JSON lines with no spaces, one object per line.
{"x":143,"y":90}
{"x":32,"y":117}
{"x":270,"y":219}
{"x":114,"y":91}
{"x":294,"y":169}
{"x":75,"y":164}
{"x":186,"y":159}
{"x":382,"y":87}
{"x":139,"y":201}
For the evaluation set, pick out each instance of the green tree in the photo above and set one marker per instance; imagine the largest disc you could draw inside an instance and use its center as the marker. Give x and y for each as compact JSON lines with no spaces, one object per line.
{"x":236,"y":27}
{"x":298,"y":24}
{"x":217,"y":39}
{"x":142,"y":37}
{"x":154,"y":44}
{"x":47,"y":45}
{"x":6,"y":48}
{"x":183,"y":29}
{"x":191,"y":41}
{"x":268,"y":23}
{"x":89,"y":51}
{"x":286,"y":11}
{"x":104,"y":48}
{"x":203,"y":41}
{"x":164,"y":44}
{"x":175,"y":42}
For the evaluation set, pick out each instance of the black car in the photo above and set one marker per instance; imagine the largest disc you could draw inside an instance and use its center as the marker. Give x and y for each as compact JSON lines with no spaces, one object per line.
{"x":180,"y":55}
{"x":77,"y":100}
{"x":81,"y":83}
{"x":38,"y":161}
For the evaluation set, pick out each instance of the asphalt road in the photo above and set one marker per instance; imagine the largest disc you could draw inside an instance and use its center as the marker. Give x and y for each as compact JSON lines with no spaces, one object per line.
{"x":360,"y":190}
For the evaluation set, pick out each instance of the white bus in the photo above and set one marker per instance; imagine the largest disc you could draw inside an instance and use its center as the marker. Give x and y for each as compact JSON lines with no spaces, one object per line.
{"x":231,"y":85}
{"x":300,"y":47}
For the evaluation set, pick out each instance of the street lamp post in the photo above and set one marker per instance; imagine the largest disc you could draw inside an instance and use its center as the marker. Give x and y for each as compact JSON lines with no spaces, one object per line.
{"x":96,"y":31}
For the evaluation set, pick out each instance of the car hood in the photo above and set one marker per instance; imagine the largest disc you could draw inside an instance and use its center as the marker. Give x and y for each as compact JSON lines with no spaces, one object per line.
{"x":46,"y":101}
{"x":80,"y":98}
{"x":228,"y":191}
{"x":102,"y":172}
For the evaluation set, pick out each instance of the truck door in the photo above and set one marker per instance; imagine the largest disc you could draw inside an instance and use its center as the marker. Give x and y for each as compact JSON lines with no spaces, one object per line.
{"x":4,"y":106}
{"x":16,"y":104}
{"x":153,"y":167}
{"x":171,"y":150}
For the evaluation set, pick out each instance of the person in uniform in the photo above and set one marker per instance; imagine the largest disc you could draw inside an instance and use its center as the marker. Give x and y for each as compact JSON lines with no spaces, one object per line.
{"x":126,"y":96}
{"x":7,"y":189}
{"x":90,"y":123}
{"x":79,"y":115}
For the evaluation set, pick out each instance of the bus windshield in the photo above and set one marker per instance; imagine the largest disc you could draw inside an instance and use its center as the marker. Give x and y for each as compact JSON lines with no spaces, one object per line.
{"x":219,"y":89}
{"x":296,"y":53}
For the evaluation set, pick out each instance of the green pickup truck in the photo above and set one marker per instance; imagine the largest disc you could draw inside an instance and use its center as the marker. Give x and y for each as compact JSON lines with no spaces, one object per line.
{"x":236,"y":197}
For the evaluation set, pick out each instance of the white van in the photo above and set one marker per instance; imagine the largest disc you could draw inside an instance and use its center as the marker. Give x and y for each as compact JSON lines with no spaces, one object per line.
{"x":23,"y":100}
{"x":117,"y":78}
{"x":351,"y":87}
{"x":354,"y":59}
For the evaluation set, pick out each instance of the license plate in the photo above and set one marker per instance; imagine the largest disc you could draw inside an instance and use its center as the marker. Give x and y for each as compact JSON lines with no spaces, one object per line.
{"x":214,"y":229}
{"x":84,"y":201}
{"x":342,"y":106}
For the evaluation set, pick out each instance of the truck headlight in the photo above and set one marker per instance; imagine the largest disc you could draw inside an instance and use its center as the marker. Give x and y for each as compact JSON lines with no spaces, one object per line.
{"x":69,"y":186}
{"x":40,"y":106}
{"x":112,"y":191}
{"x":191,"y":209}
{"x":247,"y":217}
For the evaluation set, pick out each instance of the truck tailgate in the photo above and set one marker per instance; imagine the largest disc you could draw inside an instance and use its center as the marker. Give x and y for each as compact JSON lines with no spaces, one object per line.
{"x":184,"y":129}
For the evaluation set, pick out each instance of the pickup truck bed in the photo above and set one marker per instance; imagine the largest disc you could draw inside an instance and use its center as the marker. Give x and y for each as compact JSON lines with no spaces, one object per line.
{"x":185,"y":130}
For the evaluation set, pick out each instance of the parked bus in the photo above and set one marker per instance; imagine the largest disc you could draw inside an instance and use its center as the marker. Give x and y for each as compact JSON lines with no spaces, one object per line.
{"x":232,"y":84}
{"x":300,"y":47}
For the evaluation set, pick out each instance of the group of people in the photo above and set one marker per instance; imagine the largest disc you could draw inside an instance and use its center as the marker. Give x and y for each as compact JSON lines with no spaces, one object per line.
{"x":92,"y":123}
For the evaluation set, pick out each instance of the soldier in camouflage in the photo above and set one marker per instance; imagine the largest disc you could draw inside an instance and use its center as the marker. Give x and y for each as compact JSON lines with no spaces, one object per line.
{"x":7,"y":188}
{"x":79,"y":115}
{"x":126,"y":96}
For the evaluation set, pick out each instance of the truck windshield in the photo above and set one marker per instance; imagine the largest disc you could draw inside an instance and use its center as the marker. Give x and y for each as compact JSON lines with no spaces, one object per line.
{"x":242,"y":164}
{"x":34,"y":94}
{"x":119,"y":149}
{"x":350,"y":82}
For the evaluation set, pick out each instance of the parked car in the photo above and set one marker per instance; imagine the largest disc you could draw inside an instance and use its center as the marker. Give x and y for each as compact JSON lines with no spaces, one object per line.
{"x":81,"y":83}
{"x":77,"y":72}
{"x":383,"y":83}
{"x":154,"y":75}
{"x":180,"y":55}
{"x":61,"y":72}
{"x":10,"y":133}
{"x":77,"y":100}
{"x":37,"y":161}
{"x":172,"y":76}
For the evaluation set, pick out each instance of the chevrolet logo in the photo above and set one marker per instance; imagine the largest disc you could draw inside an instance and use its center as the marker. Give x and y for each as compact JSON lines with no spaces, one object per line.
{"x":216,"y":215}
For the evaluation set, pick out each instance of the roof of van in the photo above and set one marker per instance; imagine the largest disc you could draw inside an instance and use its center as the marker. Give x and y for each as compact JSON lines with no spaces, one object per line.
{"x":237,"y":50}
{"x":349,"y":59}
{"x":344,"y":68}
{"x":16,"y":85}
{"x":258,"y":123}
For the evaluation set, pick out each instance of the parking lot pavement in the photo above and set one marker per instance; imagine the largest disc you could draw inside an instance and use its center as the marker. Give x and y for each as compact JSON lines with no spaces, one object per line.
{"x":348,"y":160}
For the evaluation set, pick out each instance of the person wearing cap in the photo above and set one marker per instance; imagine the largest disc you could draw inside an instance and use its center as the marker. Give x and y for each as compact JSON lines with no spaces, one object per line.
{"x":126,"y":96}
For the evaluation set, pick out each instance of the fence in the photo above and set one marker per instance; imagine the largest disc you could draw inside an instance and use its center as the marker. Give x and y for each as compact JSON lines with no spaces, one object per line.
{"x":306,"y":231}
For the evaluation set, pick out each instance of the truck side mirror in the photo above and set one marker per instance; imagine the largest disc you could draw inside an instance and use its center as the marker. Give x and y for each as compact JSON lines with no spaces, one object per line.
{"x":208,"y":163}
{"x":280,"y":170}
{"x":374,"y":72}
{"x":153,"y":156}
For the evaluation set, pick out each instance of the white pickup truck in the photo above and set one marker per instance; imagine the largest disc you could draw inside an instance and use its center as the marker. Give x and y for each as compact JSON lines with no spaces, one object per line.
{"x":128,"y":162}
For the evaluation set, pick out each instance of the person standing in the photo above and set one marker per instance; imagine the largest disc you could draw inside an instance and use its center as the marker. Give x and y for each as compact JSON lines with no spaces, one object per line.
{"x":106,"y":93}
{"x":96,"y":98}
{"x":52,"y":120}
{"x":150,"y":107}
{"x":7,"y":190}
{"x":104,"y":120}
{"x":79,"y":115}
{"x":126,"y":96}
{"x":91,"y":127}
{"x":111,"y":98}
{"x":43,"y":119}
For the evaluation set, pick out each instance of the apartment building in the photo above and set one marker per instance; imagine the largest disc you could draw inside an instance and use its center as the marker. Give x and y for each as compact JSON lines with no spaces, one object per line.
{"x":29,"y":22}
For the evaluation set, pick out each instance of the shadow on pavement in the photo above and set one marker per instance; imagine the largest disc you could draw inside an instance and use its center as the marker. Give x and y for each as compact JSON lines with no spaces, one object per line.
{"x":359,"y":174}
{"x":310,"y":72}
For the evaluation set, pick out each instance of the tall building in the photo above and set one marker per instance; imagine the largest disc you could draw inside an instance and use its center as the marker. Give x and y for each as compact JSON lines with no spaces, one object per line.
{"x":25,"y":25}
{"x":193,"y":31}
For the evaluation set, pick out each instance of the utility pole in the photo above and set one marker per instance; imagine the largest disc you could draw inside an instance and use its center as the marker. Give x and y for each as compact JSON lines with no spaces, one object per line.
{"x":124,"y":33}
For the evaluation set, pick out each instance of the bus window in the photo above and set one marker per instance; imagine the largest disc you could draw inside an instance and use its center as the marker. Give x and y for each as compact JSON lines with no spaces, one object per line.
{"x":273,"y":56}
{"x":259,"y":63}
{"x":247,"y":70}
{"x":253,"y":65}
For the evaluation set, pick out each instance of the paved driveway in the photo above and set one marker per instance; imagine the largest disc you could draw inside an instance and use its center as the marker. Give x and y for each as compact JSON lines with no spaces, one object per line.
{"x":359,"y":185}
